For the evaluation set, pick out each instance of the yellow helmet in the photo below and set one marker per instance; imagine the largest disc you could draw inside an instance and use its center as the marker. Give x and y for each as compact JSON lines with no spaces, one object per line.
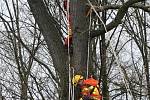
{"x":76,"y":79}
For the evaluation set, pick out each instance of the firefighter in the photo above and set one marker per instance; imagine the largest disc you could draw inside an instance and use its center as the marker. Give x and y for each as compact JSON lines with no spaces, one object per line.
{"x":89,"y":88}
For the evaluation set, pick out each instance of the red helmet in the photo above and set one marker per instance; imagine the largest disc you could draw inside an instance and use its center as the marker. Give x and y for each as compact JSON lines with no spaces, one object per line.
{"x":91,"y":81}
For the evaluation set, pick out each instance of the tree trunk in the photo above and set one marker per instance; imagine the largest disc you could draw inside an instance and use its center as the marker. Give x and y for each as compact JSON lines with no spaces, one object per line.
{"x":80,"y":24}
{"x":80,"y":35}
{"x":51,"y":34}
{"x":24,"y":89}
{"x":104,"y":76}
{"x":145,"y":58}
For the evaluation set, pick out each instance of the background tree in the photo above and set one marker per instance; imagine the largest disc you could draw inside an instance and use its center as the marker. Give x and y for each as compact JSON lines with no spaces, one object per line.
{"x":19,"y":56}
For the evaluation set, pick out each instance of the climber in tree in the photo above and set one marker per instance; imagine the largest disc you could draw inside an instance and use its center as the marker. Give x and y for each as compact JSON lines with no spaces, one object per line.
{"x":90,"y":89}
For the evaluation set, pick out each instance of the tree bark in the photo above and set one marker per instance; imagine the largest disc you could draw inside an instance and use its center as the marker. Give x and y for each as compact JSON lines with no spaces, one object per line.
{"x":52,"y":37}
{"x":24,"y":88}
{"x":104,"y":75}
{"x":145,"y":58}
{"x":80,"y":24}
{"x":80,"y":35}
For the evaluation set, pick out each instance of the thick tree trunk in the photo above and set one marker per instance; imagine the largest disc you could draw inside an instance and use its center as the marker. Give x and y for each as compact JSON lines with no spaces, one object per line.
{"x":51,"y":34}
{"x":80,"y":24}
{"x":80,"y":35}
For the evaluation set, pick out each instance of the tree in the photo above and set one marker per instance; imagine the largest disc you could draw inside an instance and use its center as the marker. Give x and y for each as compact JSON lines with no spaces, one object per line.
{"x":141,"y":39}
{"x":51,"y":33}
{"x":18,"y":55}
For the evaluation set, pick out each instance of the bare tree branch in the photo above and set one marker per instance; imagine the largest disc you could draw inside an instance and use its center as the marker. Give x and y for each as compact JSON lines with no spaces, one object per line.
{"x":109,"y":7}
{"x":121,"y":12}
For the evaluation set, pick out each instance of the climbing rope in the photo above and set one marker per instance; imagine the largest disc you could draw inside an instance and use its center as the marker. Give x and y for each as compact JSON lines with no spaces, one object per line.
{"x":73,"y":85}
{"x":88,"y":56}
{"x":114,"y":53}
{"x":70,"y":69}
